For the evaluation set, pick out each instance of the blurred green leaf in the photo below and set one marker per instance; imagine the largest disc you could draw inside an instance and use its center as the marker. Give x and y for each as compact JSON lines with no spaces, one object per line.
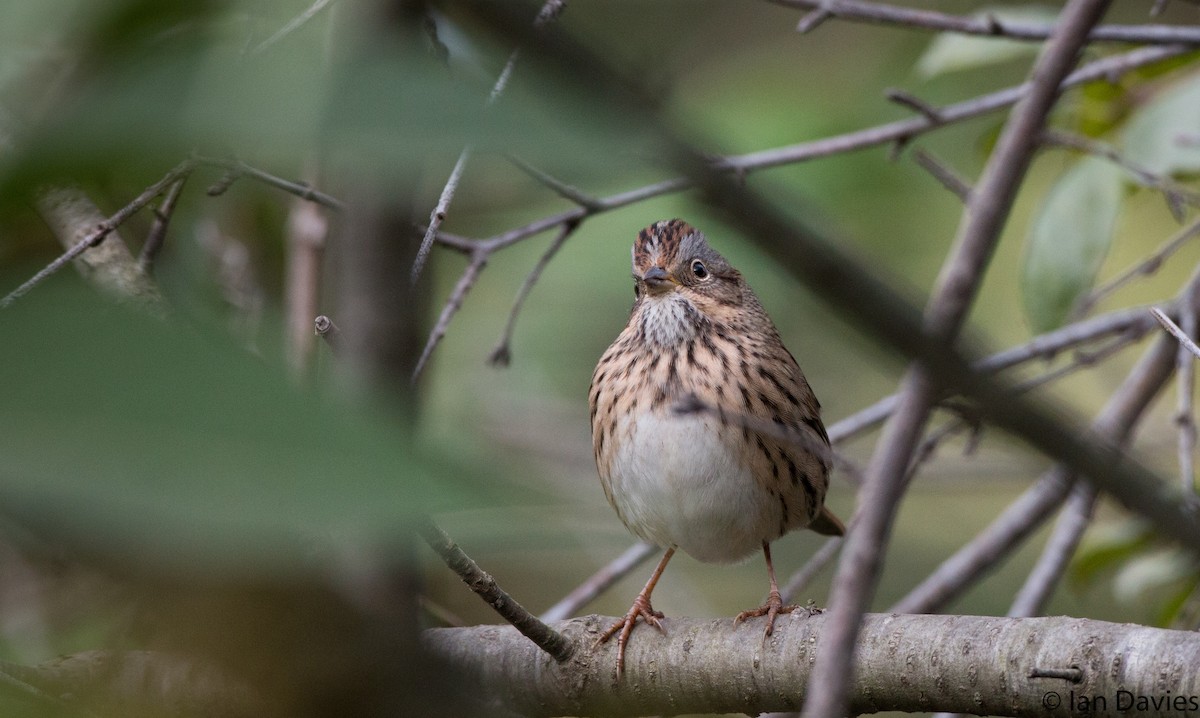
{"x":1151,"y":571}
{"x":952,"y":52}
{"x":1107,"y":546}
{"x":141,"y":442}
{"x":1164,"y":135}
{"x":1068,"y":241}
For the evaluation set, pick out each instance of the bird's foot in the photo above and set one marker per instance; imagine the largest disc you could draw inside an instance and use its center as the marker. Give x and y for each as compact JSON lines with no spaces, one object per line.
{"x":641,"y":608}
{"x":772,"y":608}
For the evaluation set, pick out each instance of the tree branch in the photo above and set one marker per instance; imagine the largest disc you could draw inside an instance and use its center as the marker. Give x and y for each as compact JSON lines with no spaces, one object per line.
{"x":479,"y":581}
{"x":989,"y":26}
{"x":957,"y":284}
{"x":980,"y":665}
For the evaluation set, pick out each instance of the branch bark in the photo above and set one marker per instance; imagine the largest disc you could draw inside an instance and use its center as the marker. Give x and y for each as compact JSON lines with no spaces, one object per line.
{"x":971,"y":664}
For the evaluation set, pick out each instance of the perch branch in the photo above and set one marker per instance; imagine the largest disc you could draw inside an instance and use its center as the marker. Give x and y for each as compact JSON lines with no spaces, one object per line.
{"x":479,"y":581}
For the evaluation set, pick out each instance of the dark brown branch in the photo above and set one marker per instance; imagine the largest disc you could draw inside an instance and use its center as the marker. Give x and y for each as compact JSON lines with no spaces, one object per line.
{"x":158,"y":230}
{"x":501,"y":355}
{"x":237,"y":169}
{"x":546,"y":638}
{"x":943,"y":174}
{"x":465,"y":283}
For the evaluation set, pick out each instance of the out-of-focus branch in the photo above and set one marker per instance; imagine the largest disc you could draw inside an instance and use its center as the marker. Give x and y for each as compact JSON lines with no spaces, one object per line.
{"x":600,"y":581}
{"x":549,"y":12}
{"x":1116,"y":421}
{"x":901,"y":130}
{"x":987,"y":26}
{"x":957,"y":285}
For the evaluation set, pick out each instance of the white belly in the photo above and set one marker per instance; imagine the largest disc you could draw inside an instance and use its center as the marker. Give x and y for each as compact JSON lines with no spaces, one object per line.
{"x":675,"y":484}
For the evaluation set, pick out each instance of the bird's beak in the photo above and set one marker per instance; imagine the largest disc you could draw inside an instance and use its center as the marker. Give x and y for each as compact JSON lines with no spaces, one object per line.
{"x":658,"y":281}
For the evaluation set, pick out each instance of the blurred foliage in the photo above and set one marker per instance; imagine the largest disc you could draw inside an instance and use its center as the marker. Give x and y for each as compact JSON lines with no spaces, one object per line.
{"x":182,"y":448}
{"x":951,"y":52}
{"x":151,"y":444}
{"x":1069,"y":240}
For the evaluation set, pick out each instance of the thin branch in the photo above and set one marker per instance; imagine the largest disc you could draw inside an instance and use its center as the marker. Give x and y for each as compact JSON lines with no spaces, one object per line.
{"x":1052,"y":564}
{"x":601,"y":581}
{"x":1175,"y":192}
{"x":560,"y":188}
{"x":465,"y":283}
{"x":957,"y":284}
{"x":1187,"y":354}
{"x":102,"y":230}
{"x":990,"y":26}
{"x":912,"y":102}
{"x":1016,"y":523}
{"x":943,"y":174}
{"x":501,"y":355}
{"x":813,"y":20}
{"x":1184,"y":340}
{"x":548,"y":13}
{"x":546,"y":638}
{"x":237,"y":169}
{"x":815,"y":564}
{"x":888,"y":133}
{"x":1185,"y":370}
{"x":158,"y":230}
{"x":293,"y":25}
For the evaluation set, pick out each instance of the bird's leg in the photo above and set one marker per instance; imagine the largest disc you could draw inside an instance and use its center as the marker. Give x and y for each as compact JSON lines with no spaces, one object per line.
{"x":774,"y":605}
{"x":641,"y":607}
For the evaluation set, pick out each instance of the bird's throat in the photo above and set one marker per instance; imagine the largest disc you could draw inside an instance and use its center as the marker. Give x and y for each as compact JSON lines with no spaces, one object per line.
{"x":669,"y":320}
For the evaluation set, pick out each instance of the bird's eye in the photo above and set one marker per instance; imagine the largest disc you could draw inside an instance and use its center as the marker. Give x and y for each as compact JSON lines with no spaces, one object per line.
{"x":637,"y":290}
{"x":699,"y":269}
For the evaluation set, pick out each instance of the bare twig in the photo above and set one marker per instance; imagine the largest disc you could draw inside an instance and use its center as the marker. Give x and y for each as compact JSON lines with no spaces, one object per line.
{"x":1185,"y":369}
{"x":1184,"y":340}
{"x":549,"y":12}
{"x":600,"y":581}
{"x":826,"y":147}
{"x":991,"y":26}
{"x":943,"y":174}
{"x":237,"y":169}
{"x":958,"y":282}
{"x":1174,"y":191}
{"x":465,"y":283}
{"x":292,"y":25}
{"x":563,"y":189}
{"x":102,"y":230}
{"x":1187,"y":354}
{"x":815,"y":564}
{"x":813,"y":20}
{"x":912,"y":102}
{"x":546,"y":638}
{"x":501,"y":355}
{"x":158,"y":230}
{"x":306,"y":233}
{"x":324,"y":327}
{"x":1017,"y":522}
{"x":1039,"y":585}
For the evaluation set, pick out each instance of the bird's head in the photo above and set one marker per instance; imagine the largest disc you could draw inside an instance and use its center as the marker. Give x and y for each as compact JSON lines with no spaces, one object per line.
{"x":671,"y":259}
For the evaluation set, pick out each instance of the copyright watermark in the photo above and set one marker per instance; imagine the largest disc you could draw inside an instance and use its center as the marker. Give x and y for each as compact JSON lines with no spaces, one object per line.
{"x":1121,"y":700}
